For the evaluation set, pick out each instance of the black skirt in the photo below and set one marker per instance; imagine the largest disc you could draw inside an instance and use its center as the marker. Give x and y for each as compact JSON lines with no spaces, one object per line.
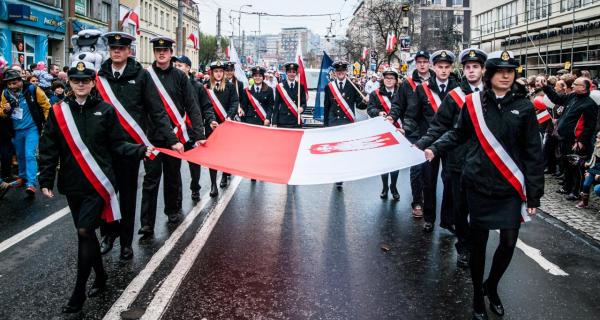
{"x":492,"y":212}
{"x":86,"y":210}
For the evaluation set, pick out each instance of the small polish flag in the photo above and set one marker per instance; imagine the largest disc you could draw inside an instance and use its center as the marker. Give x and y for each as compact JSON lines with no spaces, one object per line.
{"x":132,"y":17}
{"x":305,"y":157}
{"x":301,"y":72}
{"x":365,"y":54}
{"x":194,"y":40}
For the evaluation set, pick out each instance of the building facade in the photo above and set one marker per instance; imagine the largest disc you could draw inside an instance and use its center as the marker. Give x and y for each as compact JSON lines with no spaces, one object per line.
{"x":546,"y":35}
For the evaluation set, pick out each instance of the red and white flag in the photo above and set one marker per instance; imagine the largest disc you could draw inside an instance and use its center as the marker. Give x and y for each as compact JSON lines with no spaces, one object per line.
{"x":301,"y":73}
{"x":195,"y":40}
{"x":365,"y":54}
{"x":87,"y":163}
{"x":541,"y":109}
{"x":306,"y":157}
{"x":390,"y":44}
{"x":132,"y":17}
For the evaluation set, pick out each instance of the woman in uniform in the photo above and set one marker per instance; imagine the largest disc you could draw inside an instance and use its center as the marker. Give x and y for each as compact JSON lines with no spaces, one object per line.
{"x":502,"y":122}
{"x":224,"y":100}
{"x":258,"y":110}
{"x":379,"y":106}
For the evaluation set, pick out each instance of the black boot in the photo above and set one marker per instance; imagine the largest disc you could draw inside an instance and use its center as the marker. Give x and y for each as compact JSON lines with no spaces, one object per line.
{"x":98,"y":287}
{"x":214,"y":191}
{"x":224,"y":181}
{"x":495,"y":303}
{"x":395,"y":194}
{"x":384,"y":193}
{"x":107,"y":244}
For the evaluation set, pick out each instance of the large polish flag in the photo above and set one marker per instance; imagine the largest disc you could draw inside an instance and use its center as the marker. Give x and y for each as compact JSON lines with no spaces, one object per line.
{"x":305,"y":157}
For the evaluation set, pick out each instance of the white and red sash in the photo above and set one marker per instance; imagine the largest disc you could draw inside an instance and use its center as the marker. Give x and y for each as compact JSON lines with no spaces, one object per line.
{"x":87,"y":163}
{"x":412,"y":83}
{"x":287,"y":99}
{"x":125,"y":119}
{"x":180,"y":124}
{"x":494,"y":150}
{"x":341,"y":101}
{"x":434,"y":99}
{"x":386,"y":104}
{"x":458,"y":96}
{"x":543,"y":116}
{"x":257,"y":106}
{"x":217,"y":106}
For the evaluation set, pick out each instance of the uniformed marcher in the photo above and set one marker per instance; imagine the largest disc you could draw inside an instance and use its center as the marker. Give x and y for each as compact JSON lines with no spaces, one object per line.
{"x":184,"y":64}
{"x":173,"y":88}
{"x":287,"y":111}
{"x":225,"y":103}
{"x":123,"y":83}
{"x":497,"y":198}
{"x":419,"y":112}
{"x":472,"y":60}
{"x":408,"y":89}
{"x":257,"y":101}
{"x":83,"y":134}
{"x":230,"y":76}
{"x":380,"y":106}
{"x":341,"y":100}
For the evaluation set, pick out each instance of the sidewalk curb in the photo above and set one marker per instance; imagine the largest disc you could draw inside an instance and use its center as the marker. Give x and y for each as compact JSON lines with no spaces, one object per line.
{"x":579,"y":235}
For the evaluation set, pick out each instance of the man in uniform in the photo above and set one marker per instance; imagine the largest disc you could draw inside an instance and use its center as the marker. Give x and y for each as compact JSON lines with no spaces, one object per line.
{"x":420,"y":110}
{"x":184,"y":64}
{"x":473,"y":61}
{"x":421,"y":74}
{"x":287,"y":110}
{"x":341,"y":100}
{"x":173,"y":88}
{"x":123,"y":83}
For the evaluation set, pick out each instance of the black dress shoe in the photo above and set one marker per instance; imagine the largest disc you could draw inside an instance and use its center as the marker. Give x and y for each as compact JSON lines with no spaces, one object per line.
{"x":174,"y":217}
{"x":462,"y":260}
{"x":146,"y":231}
{"x":107,"y":244}
{"x":224,"y":182}
{"x":395,"y":194}
{"x":253,"y":180}
{"x":427,"y":227}
{"x":98,"y":287}
{"x":384,"y":193}
{"x":495,"y":303}
{"x":126,"y":253}
{"x":213,"y":191}
{"x":480,"y":316}
{"x":195,"y":196}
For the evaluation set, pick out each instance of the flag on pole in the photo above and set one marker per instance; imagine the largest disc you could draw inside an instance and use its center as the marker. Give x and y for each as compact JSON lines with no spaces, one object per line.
{"x":326,"y":63}
{"x":194,"y":40}
{"x":365,"y":54}
{"x":305,"y":157}
{"x":301,"y":73}
{"x":240,"y":75}
{"x":390,"y":44}
{"x":131,"y":17}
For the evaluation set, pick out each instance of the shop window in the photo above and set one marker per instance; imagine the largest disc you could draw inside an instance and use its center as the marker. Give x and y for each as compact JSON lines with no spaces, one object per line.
{"x":104,"y":12}
{"x":83,"y":7}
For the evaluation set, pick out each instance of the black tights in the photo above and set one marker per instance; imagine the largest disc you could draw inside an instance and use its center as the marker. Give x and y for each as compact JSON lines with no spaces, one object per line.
{"x":384,"y":180}
{"x":502,"y":257}
{"x":88,"y":257}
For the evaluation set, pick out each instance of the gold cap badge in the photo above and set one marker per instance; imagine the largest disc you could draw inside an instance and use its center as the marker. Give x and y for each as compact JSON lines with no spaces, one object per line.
{"x":161,"y":41}
{"x":471,"y":53}
{"x":219,"y":63}
{"x":118,"y":37}
{"x":80,"y":66}
{"x":505,"y":56}
{"x":443,"y":54}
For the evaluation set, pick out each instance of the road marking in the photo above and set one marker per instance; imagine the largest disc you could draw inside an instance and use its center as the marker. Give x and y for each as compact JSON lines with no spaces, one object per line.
{"x":33,"y":229}
{"x":135,"y":286}
{"x":163,"y":297}
{"x":536,"y":255}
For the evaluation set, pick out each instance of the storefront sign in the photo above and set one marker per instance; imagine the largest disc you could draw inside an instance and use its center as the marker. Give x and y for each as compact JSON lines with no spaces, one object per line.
{"x":81,"y":7}
{"x":18,"y":12}
{"x":26,"y":15}
{"x":566,"y":30}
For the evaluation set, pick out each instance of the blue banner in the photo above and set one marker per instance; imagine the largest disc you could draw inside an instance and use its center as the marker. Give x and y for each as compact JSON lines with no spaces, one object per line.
{"x":322,"y":83}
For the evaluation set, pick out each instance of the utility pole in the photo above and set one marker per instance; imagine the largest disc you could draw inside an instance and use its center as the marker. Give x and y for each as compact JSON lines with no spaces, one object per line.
{"x":114,"y":15}
{"x":258,"y":41}
{"x":219,"y":33}
{"x":243,"y":42}
{"x":180,"y":42}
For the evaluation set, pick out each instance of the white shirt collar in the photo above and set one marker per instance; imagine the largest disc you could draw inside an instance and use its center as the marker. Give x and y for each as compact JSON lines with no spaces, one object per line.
{"x":290,"y":82}
{"x":392,"y":91}
{"x":439,"y":83}
{"x":120,"y":70}
{"x":480,"y":86}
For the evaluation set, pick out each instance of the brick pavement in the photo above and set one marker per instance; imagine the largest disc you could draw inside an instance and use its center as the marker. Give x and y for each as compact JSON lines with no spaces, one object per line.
{"x":586,"y":221}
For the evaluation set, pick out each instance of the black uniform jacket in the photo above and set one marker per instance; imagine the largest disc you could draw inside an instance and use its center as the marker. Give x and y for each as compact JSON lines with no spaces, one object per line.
{"x":443,"y":121}
{"x":333,"y":113}
{"x":374,"y":106}
{"x":131,"y":90}
{"x":228,"y":98}
{"x":206,"y":108}
{"x":419,"y":112}
{"x":281,"y":113}
{"x":100,"y":131}
{"x":576,"y":107}
{"x":180,"y":89}
{"x":400,"y":102}
{"x":513,"y":122}
{"x":266,"y":100}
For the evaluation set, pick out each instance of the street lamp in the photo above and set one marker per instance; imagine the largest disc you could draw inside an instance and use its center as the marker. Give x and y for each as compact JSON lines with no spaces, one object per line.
{"x":240,"y":25}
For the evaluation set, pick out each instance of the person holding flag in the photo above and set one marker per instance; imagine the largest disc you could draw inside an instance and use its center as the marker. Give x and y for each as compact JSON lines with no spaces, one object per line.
{"x":290,"y":99}
{"x":257,"y":101}
{"x":380,"y":104}
{"x":342,"y":98}
{"x":83,"y":134}
{"x":224,"y":100}
{"x":420,"y":111}
{"x":503,"y":173}
{"x":173,"y":89}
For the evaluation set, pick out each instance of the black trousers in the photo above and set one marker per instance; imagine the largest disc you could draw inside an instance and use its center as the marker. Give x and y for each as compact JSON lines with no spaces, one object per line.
{"x":461,"y":212}
{"x":194,"y":172}
{"x":127,"y":172}
{"x":6,"y":152}
{"x":171,"y":187}
{"x":430,"y":177}
{"x":416,"y":183}
{"x":447,"y":210}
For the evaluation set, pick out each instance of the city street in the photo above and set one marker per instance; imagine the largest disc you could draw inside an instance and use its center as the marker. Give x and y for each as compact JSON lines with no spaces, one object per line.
{"x":266,"y":251}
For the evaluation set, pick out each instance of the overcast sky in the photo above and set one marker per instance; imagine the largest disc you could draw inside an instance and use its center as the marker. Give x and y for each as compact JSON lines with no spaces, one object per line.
{"x":341,"y":9}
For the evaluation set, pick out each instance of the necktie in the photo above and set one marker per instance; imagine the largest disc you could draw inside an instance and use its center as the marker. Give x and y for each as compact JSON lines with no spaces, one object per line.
{"x":117,"y":74}
{"x":476,"y":89}
{"x":341,"y":85}
{"x":257,"y":89}
{"x":442,"y":88}
{"x":292,"y":86}
{"x":217,"y":84}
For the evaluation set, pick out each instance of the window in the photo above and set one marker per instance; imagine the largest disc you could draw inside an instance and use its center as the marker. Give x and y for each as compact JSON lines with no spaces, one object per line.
{"x":457,"y":2}
{"x":486,"y":22}
{"x":162,"y":20}
{"x":104,"y":15}
{"x":82,"y":7}
{"x":168,"y":25}
{"x":53,"y":3}
{"x":507,"y":15}
{"x":155,"y":16}
{"x":538,"y":9}
{"x":458,"y":19}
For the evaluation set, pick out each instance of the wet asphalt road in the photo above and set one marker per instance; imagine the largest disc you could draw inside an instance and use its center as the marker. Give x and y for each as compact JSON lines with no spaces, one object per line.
{"x":303,"y":252}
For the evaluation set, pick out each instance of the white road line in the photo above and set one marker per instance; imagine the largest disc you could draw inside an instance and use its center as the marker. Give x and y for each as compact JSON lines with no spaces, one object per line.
{"x":33,"y":229}
{"x":536,"y":255}
{"x":163,"y":297}
{"x":135,"y":286}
